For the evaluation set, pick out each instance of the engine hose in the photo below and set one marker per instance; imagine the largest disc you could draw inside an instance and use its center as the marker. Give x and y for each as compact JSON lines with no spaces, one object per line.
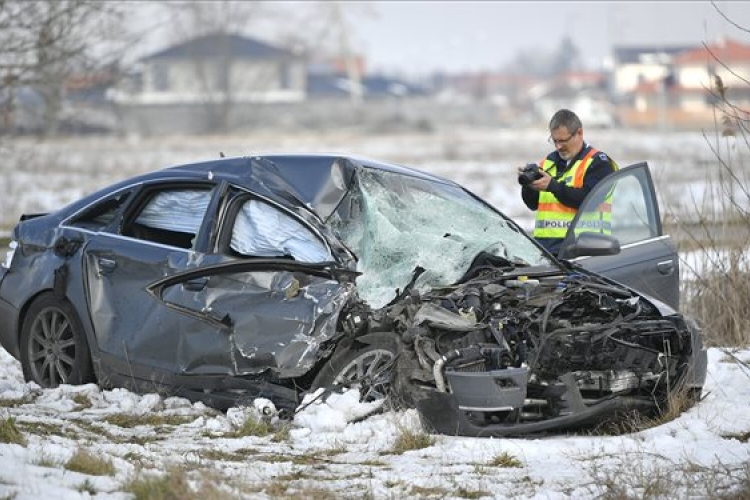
{"x":437,"y":368}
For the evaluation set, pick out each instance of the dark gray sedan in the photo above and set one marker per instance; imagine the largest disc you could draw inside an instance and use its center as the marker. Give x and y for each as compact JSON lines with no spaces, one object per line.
{"x":272,"y":276}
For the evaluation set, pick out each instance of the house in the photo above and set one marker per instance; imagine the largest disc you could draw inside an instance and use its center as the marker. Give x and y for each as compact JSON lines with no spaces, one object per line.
{"x":215,"y":67}
{"x":695,"y":72}
{"x":635,"y":66}
{"x":583,"y":91}
{"x":686,"y":95}
{"x":211,"y":84}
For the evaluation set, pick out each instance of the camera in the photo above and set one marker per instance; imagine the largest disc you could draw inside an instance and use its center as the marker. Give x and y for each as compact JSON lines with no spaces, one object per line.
{"x":529,"y":174}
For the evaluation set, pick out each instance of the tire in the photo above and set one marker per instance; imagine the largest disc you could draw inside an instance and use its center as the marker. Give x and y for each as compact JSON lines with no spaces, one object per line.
{"x":54,"y":349}
{"x":368,"y":366}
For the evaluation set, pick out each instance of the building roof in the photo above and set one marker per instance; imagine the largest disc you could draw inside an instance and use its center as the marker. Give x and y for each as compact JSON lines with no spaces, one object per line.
{"x":582,"y":78}
{"x":726,"y":51}
{"x":338,"y":84}
{"x":637,"y":54}
{"x":222,"y":45}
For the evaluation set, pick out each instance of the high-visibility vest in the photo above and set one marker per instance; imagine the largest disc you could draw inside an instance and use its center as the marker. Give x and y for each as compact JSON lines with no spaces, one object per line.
{"x":553,"y":218}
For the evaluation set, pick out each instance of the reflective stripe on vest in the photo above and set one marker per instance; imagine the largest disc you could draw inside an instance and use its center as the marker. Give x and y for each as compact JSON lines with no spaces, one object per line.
{"x":552,"y":217}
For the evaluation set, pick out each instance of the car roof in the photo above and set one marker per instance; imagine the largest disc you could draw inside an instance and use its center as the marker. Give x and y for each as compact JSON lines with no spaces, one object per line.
{"x":312,"y":179}
{"x":318,"y":181}
{"x":314,"y":165}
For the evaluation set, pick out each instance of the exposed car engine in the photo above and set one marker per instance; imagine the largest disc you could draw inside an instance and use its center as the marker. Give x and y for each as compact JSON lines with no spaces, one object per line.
{"x":509,"y":349}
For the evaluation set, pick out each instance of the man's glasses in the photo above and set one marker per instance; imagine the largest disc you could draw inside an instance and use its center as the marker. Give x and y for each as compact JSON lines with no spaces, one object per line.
{"x":557,"y":142}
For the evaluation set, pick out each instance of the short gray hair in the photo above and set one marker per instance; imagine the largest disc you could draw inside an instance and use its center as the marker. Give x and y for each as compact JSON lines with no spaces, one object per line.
{"x":565,"y":118}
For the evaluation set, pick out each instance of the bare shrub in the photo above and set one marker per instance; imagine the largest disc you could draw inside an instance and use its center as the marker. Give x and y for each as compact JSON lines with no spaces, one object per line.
{"x":716,"y":292}
{"x":720,"y":303}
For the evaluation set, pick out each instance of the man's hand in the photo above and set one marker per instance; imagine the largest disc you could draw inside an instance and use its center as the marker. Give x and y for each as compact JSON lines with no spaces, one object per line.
{"x":542,"y":183}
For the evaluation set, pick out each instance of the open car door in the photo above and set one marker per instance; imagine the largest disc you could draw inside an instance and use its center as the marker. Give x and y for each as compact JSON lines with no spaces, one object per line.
{"x":617,"y":232}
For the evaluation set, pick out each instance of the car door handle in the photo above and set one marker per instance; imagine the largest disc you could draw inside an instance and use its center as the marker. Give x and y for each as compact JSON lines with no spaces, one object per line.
{"x":195,"y":284}
{"x":665,"y":267}
{"x":106,"y":266}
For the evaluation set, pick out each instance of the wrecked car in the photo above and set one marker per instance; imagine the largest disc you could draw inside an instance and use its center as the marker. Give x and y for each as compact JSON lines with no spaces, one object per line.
{"x":273,"y":276}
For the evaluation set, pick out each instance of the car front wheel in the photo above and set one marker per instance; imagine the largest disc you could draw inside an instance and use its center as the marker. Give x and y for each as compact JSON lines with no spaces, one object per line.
{"x":54,"y":349}
{"x":368,"y":366}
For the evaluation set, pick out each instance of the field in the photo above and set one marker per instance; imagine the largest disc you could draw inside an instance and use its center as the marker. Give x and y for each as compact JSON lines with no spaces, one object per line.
{"x":40,"y":175}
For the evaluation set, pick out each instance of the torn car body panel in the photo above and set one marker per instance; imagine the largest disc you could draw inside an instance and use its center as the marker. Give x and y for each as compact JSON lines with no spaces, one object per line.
{"x":275,"y":314}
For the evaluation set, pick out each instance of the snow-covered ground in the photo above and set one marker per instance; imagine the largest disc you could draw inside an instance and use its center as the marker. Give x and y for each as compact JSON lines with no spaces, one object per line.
{"x":325,"y":454}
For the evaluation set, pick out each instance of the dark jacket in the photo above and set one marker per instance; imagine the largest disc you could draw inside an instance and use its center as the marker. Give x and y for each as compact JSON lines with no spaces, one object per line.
{"x":601,"y":166}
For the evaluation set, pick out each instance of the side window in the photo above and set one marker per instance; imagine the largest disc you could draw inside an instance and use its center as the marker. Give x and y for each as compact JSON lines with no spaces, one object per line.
{"x":171,"y":217}
{"x":261,"y":230}
{"x":631,"y":221}
{"x":99,"y":216}
{"x":621,"y":206}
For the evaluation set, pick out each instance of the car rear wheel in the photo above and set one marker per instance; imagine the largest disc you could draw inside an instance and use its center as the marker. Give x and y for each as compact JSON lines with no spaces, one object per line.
{"x":54,"y":349}
{"x":368,"y":366}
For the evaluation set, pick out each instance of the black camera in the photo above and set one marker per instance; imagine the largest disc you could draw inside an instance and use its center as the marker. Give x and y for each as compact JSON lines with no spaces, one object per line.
{"x":529,"y":174}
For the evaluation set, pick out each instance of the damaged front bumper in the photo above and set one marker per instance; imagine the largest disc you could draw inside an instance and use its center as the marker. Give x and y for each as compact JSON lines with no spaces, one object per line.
{"x":561,"y":361}
{"x":443,"y":413}
{"x":496,"y":404}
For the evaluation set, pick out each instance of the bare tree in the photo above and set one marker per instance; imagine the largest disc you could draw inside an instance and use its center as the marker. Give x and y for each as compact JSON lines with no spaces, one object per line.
{"x":43,"y":42}
{"x":719,"y":295}
{"x":216,"y":75}
{"x":329,"y":29}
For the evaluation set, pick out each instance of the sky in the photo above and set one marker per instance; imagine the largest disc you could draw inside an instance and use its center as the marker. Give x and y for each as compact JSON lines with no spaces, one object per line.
{"x":428,"y":36}
{"x":417,"y":38}
{"x":332,"y":451}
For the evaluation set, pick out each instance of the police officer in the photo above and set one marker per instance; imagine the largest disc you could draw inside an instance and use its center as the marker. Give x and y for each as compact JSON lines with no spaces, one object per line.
{"x":565,"y":178}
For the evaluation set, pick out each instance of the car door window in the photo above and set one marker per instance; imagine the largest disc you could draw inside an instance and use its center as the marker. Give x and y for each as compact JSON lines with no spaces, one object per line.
{"x":171,"y":217}
{"x":261,"y":230}
{"x":101,"y":214}
{"x":622,"y":206}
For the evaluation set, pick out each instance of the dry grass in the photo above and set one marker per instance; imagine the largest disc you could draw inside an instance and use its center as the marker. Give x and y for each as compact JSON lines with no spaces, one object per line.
{"x":174,"y":485}
{"x":720,"y":304}
{"x":83,"y":402}
{"x":127,"y":420}
{"x":408,"y":440}
{"x":9,"y":432}
{"x":505,"y":460}
{"x":631,"y":478}
{"x":253,"y":427}
{"x":718,"y":297}
{"x":85,"y":462}
{"x":635,"y":421}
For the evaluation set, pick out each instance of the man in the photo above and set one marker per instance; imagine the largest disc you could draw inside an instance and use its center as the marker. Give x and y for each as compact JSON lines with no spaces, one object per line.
{"x":564,"y":179}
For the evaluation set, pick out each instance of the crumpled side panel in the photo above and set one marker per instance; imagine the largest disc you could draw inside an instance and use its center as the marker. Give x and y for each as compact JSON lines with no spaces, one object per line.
{"x":276,"y":320}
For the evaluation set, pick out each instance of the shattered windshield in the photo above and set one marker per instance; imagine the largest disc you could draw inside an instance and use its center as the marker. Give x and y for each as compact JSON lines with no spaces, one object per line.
{"x":395,"y":223}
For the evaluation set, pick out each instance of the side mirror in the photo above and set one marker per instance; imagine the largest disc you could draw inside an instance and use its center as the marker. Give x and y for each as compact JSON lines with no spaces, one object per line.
{"x":591,"y":245}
